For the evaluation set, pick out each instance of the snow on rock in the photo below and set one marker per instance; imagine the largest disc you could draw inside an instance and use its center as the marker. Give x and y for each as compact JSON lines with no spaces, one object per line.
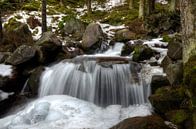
{"x":4,"y":95}
{"x":65,"y":112}
{"x":22,"y":16}
{"x":163,"y":51}
{"x":5,"y":70}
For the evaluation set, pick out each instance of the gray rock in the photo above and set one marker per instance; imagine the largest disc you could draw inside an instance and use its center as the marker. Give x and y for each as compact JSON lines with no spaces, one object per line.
{"x":4,"y":56}
{"x":47,"y":47}
{"x":175,"y":73}
{"x":93,"y":35}
{"x":175,"y":48}
{"x":124,"y":35}
{"x":21,"y":55}
{"x":166,"y":61}
{"x":74,"y":28}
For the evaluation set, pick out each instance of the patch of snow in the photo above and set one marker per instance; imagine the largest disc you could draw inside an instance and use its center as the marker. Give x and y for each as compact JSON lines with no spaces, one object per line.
{"x":61,"y":111}
{"x":6,"y":70}
{"x":4,"y":95}
{"x":52,"y":21}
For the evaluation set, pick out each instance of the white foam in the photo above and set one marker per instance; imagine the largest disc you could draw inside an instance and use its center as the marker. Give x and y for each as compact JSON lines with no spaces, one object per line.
{"x":64,"y":112}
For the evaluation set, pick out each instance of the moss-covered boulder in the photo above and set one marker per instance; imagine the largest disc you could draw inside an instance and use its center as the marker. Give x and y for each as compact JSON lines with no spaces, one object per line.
{"x":166,"y":62}
{"x":148,"y":122}
{"x":17,"y":33}
{"x":167,"y":98}
{"x":142,"y":52}
{"x":72,"y":27}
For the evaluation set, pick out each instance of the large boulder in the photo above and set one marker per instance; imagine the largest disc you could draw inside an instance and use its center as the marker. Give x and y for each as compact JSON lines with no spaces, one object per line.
{"x":48,"y":47}
{"x":93,"y":35}
{"x":17,"y":33}
{"x":168,"y":98}
{"x":175,"y":48}
{"x":124,"y":35}
{"x":175,"y":73}
{"x":74,"y":28}
{"x":148,"y":122}
{"x":21,"y":55}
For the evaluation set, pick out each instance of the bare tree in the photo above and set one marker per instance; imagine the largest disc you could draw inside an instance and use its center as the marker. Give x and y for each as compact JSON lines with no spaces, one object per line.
{"x":131,"y":4}
{"x":142,"y":9}
{"x":1,"y":28}
{"x":173,"y":5}
{"x":44,"y":18}
{"x":150,"y":6}
{"x":88,"y":4}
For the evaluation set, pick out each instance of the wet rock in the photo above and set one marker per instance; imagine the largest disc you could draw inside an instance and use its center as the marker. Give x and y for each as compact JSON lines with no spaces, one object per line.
{"x":124,"y":35}
{"x":158,"y":81}
{"x":148,"y":122}
{"x":167,"y":98}
{"x":175,"y":73}
{"x":33,"y":22}
{"x":34,"y":80}
{"x":175,"y":48}
{"x":22,"y":54}
{"x":48,"y":47}
{"x":17,"y":33}
{"x":93,"y":35}
{"x":166,"y":61}
{"x":74,"y":28}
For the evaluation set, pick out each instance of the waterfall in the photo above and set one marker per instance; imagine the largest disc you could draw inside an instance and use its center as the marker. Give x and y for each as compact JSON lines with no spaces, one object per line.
{"x":103,"y":83}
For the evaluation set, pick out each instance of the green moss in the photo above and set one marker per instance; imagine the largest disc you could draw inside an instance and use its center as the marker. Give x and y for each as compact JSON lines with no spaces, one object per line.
{"x":166,"y":38}
{"x":12,"y":24}
{"x":177,"y":116}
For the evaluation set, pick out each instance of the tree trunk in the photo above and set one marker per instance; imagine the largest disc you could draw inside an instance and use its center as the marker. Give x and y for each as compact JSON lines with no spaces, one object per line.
{"x":188,"y":18}
{"x":1,"y":28}
{"x":172,"y":5}
{"x":141,"y":9}
{"x":150,"y":6}
{"x":131,"y":4}
{"x":89,"y":8}
{"x":44,"y":18}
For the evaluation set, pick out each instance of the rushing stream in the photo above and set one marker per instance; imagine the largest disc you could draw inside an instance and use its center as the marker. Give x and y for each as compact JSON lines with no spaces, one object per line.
{"x":96,"y":91}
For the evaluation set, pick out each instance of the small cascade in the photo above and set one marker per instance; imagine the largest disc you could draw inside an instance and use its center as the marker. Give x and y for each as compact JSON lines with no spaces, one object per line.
{"x":103,"y":83}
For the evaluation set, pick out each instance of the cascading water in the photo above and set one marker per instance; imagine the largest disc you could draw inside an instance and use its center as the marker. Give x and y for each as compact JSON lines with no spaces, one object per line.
{"x":103,"y":83}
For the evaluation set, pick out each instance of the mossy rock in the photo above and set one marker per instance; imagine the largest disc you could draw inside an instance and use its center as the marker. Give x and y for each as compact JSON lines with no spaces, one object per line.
{"x":142,"y":52}
{"x":17,"y":33}
{"x":177,"y":116}
{"x":168,"y":98}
